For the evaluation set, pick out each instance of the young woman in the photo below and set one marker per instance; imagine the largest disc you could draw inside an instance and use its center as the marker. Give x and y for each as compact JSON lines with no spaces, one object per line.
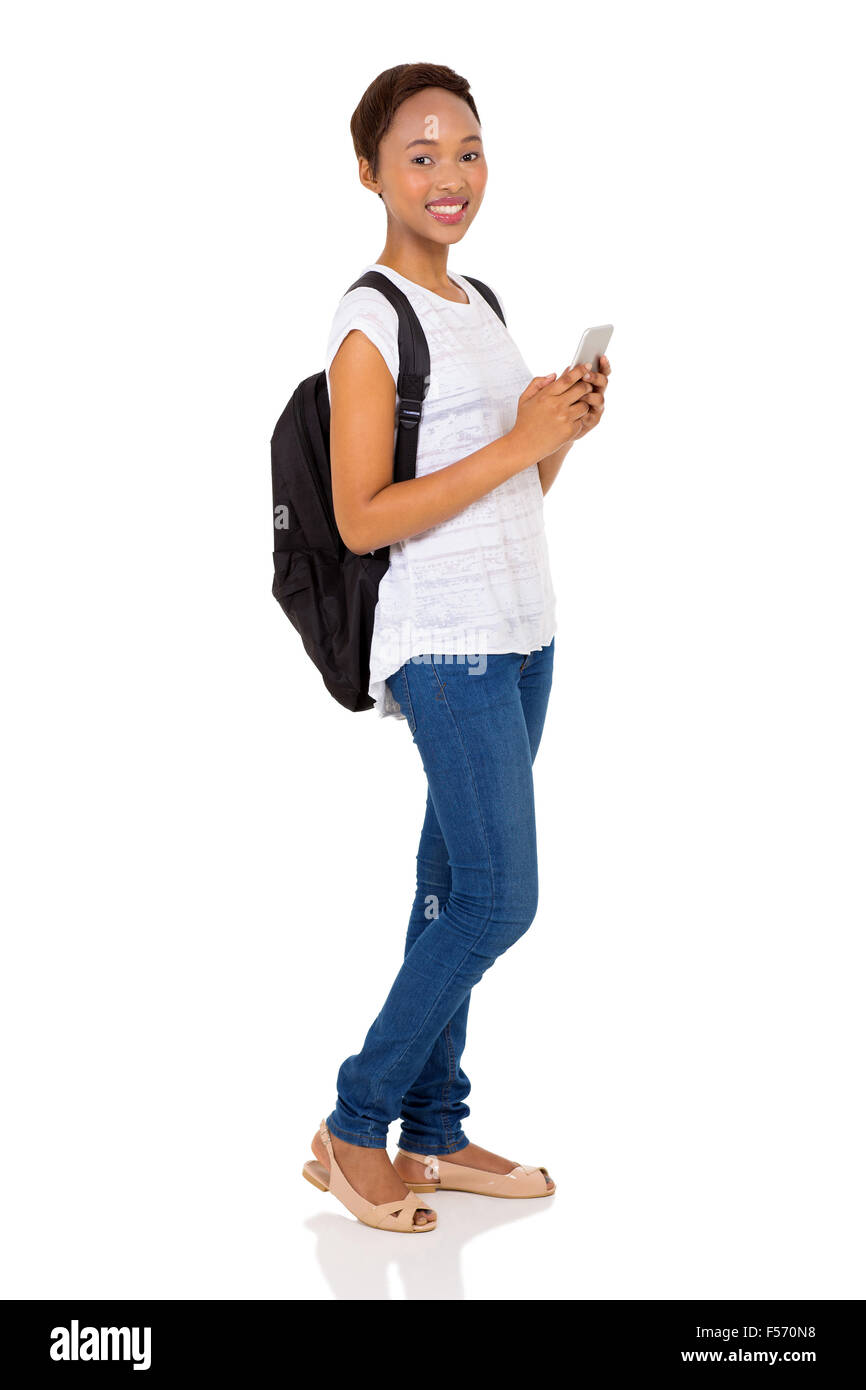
{"x":463,"y":639}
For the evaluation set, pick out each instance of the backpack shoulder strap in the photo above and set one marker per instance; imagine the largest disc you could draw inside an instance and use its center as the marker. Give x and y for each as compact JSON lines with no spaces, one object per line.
{"x":414,"y":374}
{"x":488,"y":294}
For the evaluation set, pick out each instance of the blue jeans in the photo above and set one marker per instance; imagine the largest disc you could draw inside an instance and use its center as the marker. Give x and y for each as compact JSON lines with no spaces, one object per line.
{"x":476,"y":722}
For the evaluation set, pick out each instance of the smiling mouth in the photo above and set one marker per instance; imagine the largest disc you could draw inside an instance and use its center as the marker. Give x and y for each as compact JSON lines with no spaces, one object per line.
{"x":448,"y":209}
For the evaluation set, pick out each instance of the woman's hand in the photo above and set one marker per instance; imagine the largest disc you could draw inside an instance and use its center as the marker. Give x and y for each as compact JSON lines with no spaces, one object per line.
{"x":595,"y":399}
{"x":548,"y":468}
{"x":550,"y":410}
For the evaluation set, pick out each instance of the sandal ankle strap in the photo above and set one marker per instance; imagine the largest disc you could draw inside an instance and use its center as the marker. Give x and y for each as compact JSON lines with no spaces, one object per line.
{"x":430,"y":1161}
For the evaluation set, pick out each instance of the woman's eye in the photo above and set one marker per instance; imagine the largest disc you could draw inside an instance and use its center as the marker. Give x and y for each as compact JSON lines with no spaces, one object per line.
{"x":468,"y":154}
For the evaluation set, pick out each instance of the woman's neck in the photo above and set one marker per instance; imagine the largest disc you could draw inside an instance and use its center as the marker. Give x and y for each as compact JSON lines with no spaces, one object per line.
{"x":426,"y":266}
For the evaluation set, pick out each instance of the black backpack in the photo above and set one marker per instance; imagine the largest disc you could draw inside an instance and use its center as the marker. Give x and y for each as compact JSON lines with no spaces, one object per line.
{"x":327,"y":592}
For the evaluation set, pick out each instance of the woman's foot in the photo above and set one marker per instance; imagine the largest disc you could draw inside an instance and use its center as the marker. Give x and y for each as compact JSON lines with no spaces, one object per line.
{"x":370,"y":1172}
{"x":473,"y":1156}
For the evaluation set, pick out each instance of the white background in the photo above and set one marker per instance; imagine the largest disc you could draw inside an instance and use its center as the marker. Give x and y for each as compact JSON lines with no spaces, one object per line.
{"x":210,"y":864}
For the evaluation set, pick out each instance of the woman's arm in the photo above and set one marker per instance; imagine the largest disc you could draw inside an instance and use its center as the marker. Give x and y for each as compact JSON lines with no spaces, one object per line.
{"x":372,"y":510}
{"x":549,"y":467}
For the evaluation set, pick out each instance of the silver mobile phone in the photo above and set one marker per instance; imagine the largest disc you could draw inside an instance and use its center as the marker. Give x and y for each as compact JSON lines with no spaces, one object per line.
{"x":593,"y":343}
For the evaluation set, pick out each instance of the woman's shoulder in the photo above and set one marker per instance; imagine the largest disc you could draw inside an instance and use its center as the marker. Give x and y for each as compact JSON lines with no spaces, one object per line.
{"x":367,"y":301}
{"x":364,"y":308}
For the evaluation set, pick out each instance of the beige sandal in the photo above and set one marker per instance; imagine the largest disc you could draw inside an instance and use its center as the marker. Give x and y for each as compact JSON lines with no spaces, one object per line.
{"x":454,"y":1177}
{"x":397,"y":1215}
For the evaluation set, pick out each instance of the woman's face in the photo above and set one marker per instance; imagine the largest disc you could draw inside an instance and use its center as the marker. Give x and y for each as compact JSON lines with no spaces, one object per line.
{"x":432,"y":156}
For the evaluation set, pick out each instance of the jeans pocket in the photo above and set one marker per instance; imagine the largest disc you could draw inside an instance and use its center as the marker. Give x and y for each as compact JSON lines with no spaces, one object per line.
{"x":398,"y":685}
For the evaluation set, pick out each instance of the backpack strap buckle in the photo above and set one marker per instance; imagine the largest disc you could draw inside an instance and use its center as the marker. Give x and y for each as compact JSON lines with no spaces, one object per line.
{"x":410,"y":412}
{"x":412,"y":389}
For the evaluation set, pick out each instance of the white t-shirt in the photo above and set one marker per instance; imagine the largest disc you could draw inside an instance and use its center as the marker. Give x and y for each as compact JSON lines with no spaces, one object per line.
{"x":479,"y":582}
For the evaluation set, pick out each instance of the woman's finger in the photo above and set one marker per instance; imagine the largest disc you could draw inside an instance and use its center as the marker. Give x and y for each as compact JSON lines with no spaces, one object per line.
{"x":536,"y":385}
{"x":571,"y":376}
